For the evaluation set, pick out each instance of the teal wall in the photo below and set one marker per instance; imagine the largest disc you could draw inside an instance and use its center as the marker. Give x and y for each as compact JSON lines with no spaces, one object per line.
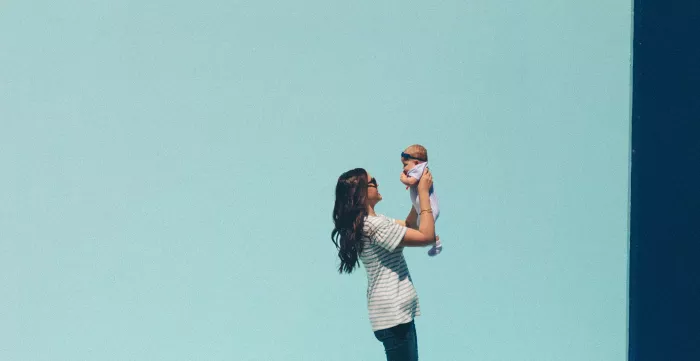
{"x":168,"y":171}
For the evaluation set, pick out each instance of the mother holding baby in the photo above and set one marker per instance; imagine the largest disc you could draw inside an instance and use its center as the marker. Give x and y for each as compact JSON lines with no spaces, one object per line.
{"x":360,"y":234}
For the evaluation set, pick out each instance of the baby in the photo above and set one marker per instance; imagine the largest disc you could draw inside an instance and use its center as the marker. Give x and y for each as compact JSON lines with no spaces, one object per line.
{"x":415,"y":160}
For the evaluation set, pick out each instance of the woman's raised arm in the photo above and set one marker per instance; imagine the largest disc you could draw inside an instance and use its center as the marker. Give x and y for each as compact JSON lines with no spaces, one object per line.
{"x":425,"y":234}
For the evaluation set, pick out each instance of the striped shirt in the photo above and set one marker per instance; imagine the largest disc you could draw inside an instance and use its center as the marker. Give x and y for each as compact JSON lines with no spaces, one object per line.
{"x":391,"y":297}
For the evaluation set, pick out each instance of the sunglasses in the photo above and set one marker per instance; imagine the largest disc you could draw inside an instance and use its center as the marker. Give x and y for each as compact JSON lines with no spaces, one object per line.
{"x":372,"y":183}
{"x":408,"y":156}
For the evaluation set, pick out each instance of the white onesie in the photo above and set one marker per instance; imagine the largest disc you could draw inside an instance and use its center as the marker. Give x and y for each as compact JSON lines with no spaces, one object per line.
{"x":416,"y":173}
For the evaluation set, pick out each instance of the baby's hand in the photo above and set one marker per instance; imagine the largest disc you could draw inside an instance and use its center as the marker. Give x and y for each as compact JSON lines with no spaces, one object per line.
{"x":404,"y":179}
{"x":408,"y":181}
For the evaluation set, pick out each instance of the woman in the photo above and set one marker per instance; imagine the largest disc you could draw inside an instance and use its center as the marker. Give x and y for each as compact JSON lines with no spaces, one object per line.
{"x":360,"y":234}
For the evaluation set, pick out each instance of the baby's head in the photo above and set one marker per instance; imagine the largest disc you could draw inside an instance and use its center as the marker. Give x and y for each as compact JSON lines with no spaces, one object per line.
{"x":412,"y":156}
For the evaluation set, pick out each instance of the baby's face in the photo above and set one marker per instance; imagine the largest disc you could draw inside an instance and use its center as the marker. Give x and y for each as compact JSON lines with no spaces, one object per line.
{"x":408,"y":164}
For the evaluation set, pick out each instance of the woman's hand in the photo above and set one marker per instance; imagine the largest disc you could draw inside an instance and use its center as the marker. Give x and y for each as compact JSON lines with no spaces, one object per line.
{"x":426,"y":181}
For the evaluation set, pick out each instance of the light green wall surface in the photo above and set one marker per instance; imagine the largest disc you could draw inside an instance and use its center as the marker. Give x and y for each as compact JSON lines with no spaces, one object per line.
{"x":168,"y":173}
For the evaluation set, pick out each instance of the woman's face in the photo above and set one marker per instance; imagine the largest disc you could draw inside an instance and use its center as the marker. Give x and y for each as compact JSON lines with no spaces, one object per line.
{"x":373,"y":195}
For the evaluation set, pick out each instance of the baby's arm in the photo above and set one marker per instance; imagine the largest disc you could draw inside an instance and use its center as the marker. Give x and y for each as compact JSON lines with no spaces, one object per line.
{"x":409,"y":181}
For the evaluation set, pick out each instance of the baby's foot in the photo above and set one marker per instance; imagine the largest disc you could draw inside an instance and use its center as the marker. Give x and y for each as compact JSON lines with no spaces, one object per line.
{"x":436,"y":249}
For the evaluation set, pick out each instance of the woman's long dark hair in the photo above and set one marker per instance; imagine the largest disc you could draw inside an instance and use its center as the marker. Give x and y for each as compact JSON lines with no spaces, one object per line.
{"x":349,"y":215}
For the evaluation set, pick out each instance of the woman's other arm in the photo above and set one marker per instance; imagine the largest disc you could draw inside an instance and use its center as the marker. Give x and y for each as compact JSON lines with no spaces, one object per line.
{"x":425,"y":234}
{"x":412,"y":219}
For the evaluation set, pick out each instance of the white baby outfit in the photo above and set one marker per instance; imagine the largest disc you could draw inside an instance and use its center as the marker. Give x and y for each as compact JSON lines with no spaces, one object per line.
{"x":417,"y":173}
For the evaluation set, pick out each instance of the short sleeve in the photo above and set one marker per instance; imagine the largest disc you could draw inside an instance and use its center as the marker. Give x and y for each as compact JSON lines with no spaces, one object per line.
{"x":417,"y":171}
{"x":386,"y":233}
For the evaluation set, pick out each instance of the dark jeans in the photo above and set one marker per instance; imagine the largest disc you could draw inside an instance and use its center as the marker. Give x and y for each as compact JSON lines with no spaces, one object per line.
{"x":400,"y":342}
